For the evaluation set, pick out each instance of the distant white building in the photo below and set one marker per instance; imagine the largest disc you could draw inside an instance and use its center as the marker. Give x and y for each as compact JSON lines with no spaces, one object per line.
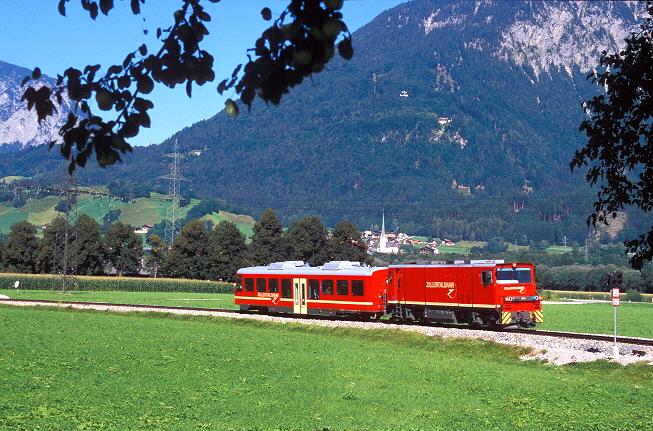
{"x":385,"y":246}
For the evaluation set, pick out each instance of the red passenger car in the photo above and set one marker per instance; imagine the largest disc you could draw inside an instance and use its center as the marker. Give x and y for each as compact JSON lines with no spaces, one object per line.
{"x":336,"y":288}
{"x":489,"y":293}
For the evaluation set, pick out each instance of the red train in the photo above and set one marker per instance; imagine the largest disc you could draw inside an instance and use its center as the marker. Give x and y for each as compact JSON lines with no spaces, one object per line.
{"x":490,"y":293}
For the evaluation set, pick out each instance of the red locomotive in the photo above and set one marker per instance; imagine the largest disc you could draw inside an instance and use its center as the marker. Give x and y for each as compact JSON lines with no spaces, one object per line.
{"x":490,"y":293}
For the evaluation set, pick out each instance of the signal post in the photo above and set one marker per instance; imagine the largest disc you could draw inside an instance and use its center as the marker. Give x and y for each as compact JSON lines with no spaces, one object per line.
{"x":614,"y":282}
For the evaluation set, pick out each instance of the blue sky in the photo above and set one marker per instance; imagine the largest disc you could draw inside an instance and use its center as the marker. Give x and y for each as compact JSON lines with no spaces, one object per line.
{"x":34,"y":34}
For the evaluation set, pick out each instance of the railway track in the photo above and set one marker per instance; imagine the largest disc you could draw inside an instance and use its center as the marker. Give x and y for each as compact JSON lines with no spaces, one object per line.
{"x":177,"y":309}
{"x":593,"y":337}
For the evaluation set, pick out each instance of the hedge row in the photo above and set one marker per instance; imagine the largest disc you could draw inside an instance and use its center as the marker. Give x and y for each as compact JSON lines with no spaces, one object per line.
{"x":120,"y":284}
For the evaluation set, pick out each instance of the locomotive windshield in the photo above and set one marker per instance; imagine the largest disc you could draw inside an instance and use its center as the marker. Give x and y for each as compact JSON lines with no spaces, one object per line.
{"x":514,"y":275}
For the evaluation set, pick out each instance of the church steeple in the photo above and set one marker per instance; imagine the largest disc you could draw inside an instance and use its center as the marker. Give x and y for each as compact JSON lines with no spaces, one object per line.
{"x":383,"y":241}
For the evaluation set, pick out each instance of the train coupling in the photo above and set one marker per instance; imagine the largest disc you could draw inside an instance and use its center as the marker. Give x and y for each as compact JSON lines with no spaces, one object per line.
{"x":523,"y":319}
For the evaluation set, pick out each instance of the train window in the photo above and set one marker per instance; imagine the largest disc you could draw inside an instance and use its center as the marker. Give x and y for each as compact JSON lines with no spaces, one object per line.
{"x":239,"y":283}
{"x":286,"y":288}
{"x":260,"y":284}
{"x":342,"y":287}
{"x":514,"y":275}
{"x":273,"y":285}
{"x":249,"y":285}
{"x":486,"y":277}
{"x":357,"y":287}
{"x":314,"y":289}
{"x":327,"y":287}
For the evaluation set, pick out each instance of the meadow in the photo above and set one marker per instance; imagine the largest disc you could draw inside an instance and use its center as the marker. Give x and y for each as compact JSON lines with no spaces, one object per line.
{"x":48,"y":283}
{"x":74,"y":370}
{"x":173,"y":299}
{"x":633,"y":319}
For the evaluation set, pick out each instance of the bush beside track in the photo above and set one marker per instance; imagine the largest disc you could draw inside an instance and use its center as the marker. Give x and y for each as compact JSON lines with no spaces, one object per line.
{"x":119,"y":284}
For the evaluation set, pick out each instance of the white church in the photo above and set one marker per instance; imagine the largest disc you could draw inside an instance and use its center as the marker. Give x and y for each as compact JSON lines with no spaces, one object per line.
{"x":385,"y":246}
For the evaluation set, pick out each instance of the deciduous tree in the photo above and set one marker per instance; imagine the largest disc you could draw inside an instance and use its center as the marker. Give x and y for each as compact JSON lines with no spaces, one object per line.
{"x":124,"y":247}
{"x":307,"y":241}
{"x":89,"y":246}
{"x":267,"y":241}
{"x":22,"y":248}
{"x":188,"y":256}
{"x":47,"y":251}
{"x":157,"y":255}
{"x":226,"y":251}
{"x":298,"y":44}
{"x":620,"y":135}
{"x":347,"y":243}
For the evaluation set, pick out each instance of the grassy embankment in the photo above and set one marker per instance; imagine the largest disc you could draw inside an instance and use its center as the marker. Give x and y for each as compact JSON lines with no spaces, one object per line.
{"x":64,"y":369}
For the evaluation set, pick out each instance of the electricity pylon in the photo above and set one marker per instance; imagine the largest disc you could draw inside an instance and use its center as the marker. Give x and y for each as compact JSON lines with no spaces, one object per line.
{"x":173,"y":220}
{"x":64,"y":266}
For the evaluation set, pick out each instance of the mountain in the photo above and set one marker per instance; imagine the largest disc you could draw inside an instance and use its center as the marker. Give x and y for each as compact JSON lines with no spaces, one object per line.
{"x":18,"y":126}
{"x":454,"y":118}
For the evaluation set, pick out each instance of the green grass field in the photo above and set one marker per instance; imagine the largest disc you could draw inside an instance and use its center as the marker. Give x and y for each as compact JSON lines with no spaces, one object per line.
{"x":633,"y":319}
{"x":174,"y":299}
{"x":70,"y":370}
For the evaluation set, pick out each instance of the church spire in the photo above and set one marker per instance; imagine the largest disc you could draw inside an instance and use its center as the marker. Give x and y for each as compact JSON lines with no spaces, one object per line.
{"x":383,"y":241}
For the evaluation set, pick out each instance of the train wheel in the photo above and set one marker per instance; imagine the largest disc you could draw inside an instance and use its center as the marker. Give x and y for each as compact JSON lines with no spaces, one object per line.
{"x":475,"y":320}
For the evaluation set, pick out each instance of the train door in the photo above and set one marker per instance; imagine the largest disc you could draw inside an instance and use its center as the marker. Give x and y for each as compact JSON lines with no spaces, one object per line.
{"x":415,"y":279}
{"x":401,"y":286}
{"x":465,"y":290}
{"x":484,"y":292}
{"x":299,"y":295}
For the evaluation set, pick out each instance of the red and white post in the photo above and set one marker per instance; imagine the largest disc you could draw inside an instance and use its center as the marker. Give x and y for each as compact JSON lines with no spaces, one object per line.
{"x":616,"y":301}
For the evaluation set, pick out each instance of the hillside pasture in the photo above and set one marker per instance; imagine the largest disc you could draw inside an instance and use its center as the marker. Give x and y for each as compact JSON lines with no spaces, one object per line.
{"x":244,"y":223}
{"x":10,"y":215}
{"x":137,"y":213}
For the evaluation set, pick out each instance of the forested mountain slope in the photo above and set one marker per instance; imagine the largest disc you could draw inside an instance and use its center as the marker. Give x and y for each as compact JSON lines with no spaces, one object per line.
{"x":456,"y":118}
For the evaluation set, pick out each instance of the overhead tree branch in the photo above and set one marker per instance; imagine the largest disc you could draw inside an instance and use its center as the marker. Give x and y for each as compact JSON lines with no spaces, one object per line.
{"x":284,"y":55}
